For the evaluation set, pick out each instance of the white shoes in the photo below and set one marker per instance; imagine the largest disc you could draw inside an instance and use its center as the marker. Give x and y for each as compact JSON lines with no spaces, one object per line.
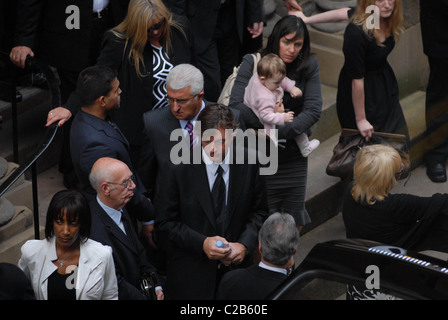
{"x":308,"y":148}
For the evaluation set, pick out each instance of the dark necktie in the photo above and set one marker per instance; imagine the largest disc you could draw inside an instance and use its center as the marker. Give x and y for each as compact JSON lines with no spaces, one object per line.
{"x":189,"y":128}
{"x":130,"y":233}
{"x":219,"y":198}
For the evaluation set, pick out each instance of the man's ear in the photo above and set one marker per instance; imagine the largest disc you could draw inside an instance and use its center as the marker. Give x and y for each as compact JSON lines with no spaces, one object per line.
{"x":101,"y":100}
{"x":105,"y":188}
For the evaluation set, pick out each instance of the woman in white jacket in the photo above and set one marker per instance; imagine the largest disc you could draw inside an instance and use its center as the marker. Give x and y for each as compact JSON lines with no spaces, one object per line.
{"x":67,"y":264}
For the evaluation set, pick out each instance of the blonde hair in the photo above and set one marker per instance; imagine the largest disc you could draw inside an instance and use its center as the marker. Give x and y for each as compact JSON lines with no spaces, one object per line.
{"x":142,"y":14}
{"x":395,"y":21}
{"x":271,"y":65}
{"x":374,"y":173}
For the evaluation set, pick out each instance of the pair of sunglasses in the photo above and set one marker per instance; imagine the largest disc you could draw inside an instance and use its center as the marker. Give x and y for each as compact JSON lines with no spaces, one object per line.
{"x":157,"y":26}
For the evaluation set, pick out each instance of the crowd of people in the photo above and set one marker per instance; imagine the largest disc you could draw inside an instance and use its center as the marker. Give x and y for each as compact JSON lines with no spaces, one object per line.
{"x":134,"y":224}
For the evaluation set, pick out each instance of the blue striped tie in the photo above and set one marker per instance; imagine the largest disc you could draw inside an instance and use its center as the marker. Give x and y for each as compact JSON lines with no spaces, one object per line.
{"x":189,"y":128}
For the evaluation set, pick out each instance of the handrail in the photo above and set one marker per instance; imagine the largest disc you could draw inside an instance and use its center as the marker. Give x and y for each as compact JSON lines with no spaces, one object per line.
{"x":53,"y":86}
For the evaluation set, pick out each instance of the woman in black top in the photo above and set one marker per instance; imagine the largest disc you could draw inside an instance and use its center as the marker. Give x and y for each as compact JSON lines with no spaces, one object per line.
{"x":367,"y":97}
{"x":371,"y":212}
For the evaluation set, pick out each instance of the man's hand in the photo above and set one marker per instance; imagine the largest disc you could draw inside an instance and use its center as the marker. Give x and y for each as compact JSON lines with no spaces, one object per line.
{"x":237,"y":254}
{"x":148,"y":231}
{"x":212,"y":251}
{"x":256,"y":29}
{"x":60,"y":114}
{"x":18,"y":55}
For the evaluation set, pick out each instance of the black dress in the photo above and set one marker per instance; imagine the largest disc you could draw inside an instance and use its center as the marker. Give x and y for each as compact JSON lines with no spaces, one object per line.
{"x":365,"y":59}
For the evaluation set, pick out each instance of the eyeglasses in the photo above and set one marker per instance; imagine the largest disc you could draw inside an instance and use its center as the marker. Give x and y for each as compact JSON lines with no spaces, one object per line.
{"x":180,"y":101}
{"x":157,"y":26}
{"x":126,"y":183}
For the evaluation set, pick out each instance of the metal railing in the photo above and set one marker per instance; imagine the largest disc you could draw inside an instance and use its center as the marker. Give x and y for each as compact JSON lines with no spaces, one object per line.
{"x":30,"y":162}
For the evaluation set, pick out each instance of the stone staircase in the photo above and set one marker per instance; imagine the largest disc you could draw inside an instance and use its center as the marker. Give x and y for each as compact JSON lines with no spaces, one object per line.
{"x":31,"y":110}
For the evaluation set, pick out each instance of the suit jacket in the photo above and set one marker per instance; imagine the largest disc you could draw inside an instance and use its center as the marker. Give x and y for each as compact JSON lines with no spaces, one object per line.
{"x":252,"y":283}
{"x":96,"y":278}
{"x":186,"y":218}
{"x":203,"y":15}
{"x":155,"y":160}
{"x":128,"y":253}
{"x":92,"y":138}
{"x":41,"y":25}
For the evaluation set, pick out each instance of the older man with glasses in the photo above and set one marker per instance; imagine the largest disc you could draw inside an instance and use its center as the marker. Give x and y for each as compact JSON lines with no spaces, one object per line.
{"x":114,"y":184}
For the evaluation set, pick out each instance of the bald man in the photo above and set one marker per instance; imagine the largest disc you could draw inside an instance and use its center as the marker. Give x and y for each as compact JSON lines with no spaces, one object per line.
{"x":114,"y":184}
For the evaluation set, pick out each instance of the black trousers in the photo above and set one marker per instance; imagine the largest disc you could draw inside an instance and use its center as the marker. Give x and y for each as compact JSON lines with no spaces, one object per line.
{"x":222,"y":54}
{"x":437,"y":111}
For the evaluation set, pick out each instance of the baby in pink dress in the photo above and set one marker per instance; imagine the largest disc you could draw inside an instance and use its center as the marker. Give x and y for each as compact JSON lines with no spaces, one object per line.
{"x":264,"y":95}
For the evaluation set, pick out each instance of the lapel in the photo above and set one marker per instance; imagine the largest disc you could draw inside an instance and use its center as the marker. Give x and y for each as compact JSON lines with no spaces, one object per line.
{"x":48,"y":266}
{"x":87,"y":264}
{"x":236,"y":184}
{"x":114,"y":230}
{"x":105,"y":127}
{"x":200,"y":188}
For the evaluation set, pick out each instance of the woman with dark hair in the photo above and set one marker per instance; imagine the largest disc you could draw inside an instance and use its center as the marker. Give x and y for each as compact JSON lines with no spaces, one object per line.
{"x":289,"y":40}
{"x":67,"y":265}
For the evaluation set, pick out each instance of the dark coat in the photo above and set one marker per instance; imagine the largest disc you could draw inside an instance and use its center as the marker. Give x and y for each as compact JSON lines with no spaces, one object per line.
{"x":41,"y":25}
{"x":186,"y":218}
{"x":128,"y":253}
{"x":92,"y":138}
{"x":203,"y":15}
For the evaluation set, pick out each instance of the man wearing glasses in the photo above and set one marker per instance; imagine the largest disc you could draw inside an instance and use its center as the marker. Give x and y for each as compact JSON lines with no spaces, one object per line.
{"x":185,"y":94}
{"x":115,"y":184}
{"x":93,"y":136}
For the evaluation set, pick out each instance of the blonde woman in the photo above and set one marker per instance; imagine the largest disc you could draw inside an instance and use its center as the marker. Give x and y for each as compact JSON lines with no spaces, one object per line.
{"x":367,"y":97}
{"x":143,"y":48}
{"x":370,"y":211}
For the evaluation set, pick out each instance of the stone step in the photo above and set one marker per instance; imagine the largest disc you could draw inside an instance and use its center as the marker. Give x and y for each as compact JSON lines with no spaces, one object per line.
{"x":23,"y":219}
{"x":10,"y":248}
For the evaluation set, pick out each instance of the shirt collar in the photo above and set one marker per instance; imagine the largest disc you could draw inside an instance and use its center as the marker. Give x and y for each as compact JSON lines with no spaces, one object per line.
{"x":114,"y":214}
{"x":275,"y":269}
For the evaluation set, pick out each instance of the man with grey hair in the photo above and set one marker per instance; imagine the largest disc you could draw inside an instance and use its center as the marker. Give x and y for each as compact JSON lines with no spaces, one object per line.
{"x":278,"y":241}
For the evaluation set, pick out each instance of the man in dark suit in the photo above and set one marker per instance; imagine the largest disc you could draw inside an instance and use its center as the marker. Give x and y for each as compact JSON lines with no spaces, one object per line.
{"x":114,"y":184}
{"x":278,"y":241}
{"x":92,"y":136}
{"x":185,"y":94}
{"x":433,"y":18}
{"x":194,"y":216}
{"x":218,"y":28}
{"x":66,"y":34}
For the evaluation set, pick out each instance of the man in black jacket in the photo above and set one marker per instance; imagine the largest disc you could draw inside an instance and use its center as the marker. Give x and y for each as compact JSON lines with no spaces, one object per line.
{"x":114,"y":184}
{"x":278,"y":241}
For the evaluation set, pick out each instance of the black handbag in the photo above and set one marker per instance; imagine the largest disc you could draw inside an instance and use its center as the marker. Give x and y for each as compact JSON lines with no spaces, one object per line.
{"x":351,"y":141}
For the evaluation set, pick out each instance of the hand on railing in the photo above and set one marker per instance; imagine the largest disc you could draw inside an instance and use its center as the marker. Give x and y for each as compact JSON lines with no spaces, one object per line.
{"x":19,"y":54}
{"x":60,"y":114}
